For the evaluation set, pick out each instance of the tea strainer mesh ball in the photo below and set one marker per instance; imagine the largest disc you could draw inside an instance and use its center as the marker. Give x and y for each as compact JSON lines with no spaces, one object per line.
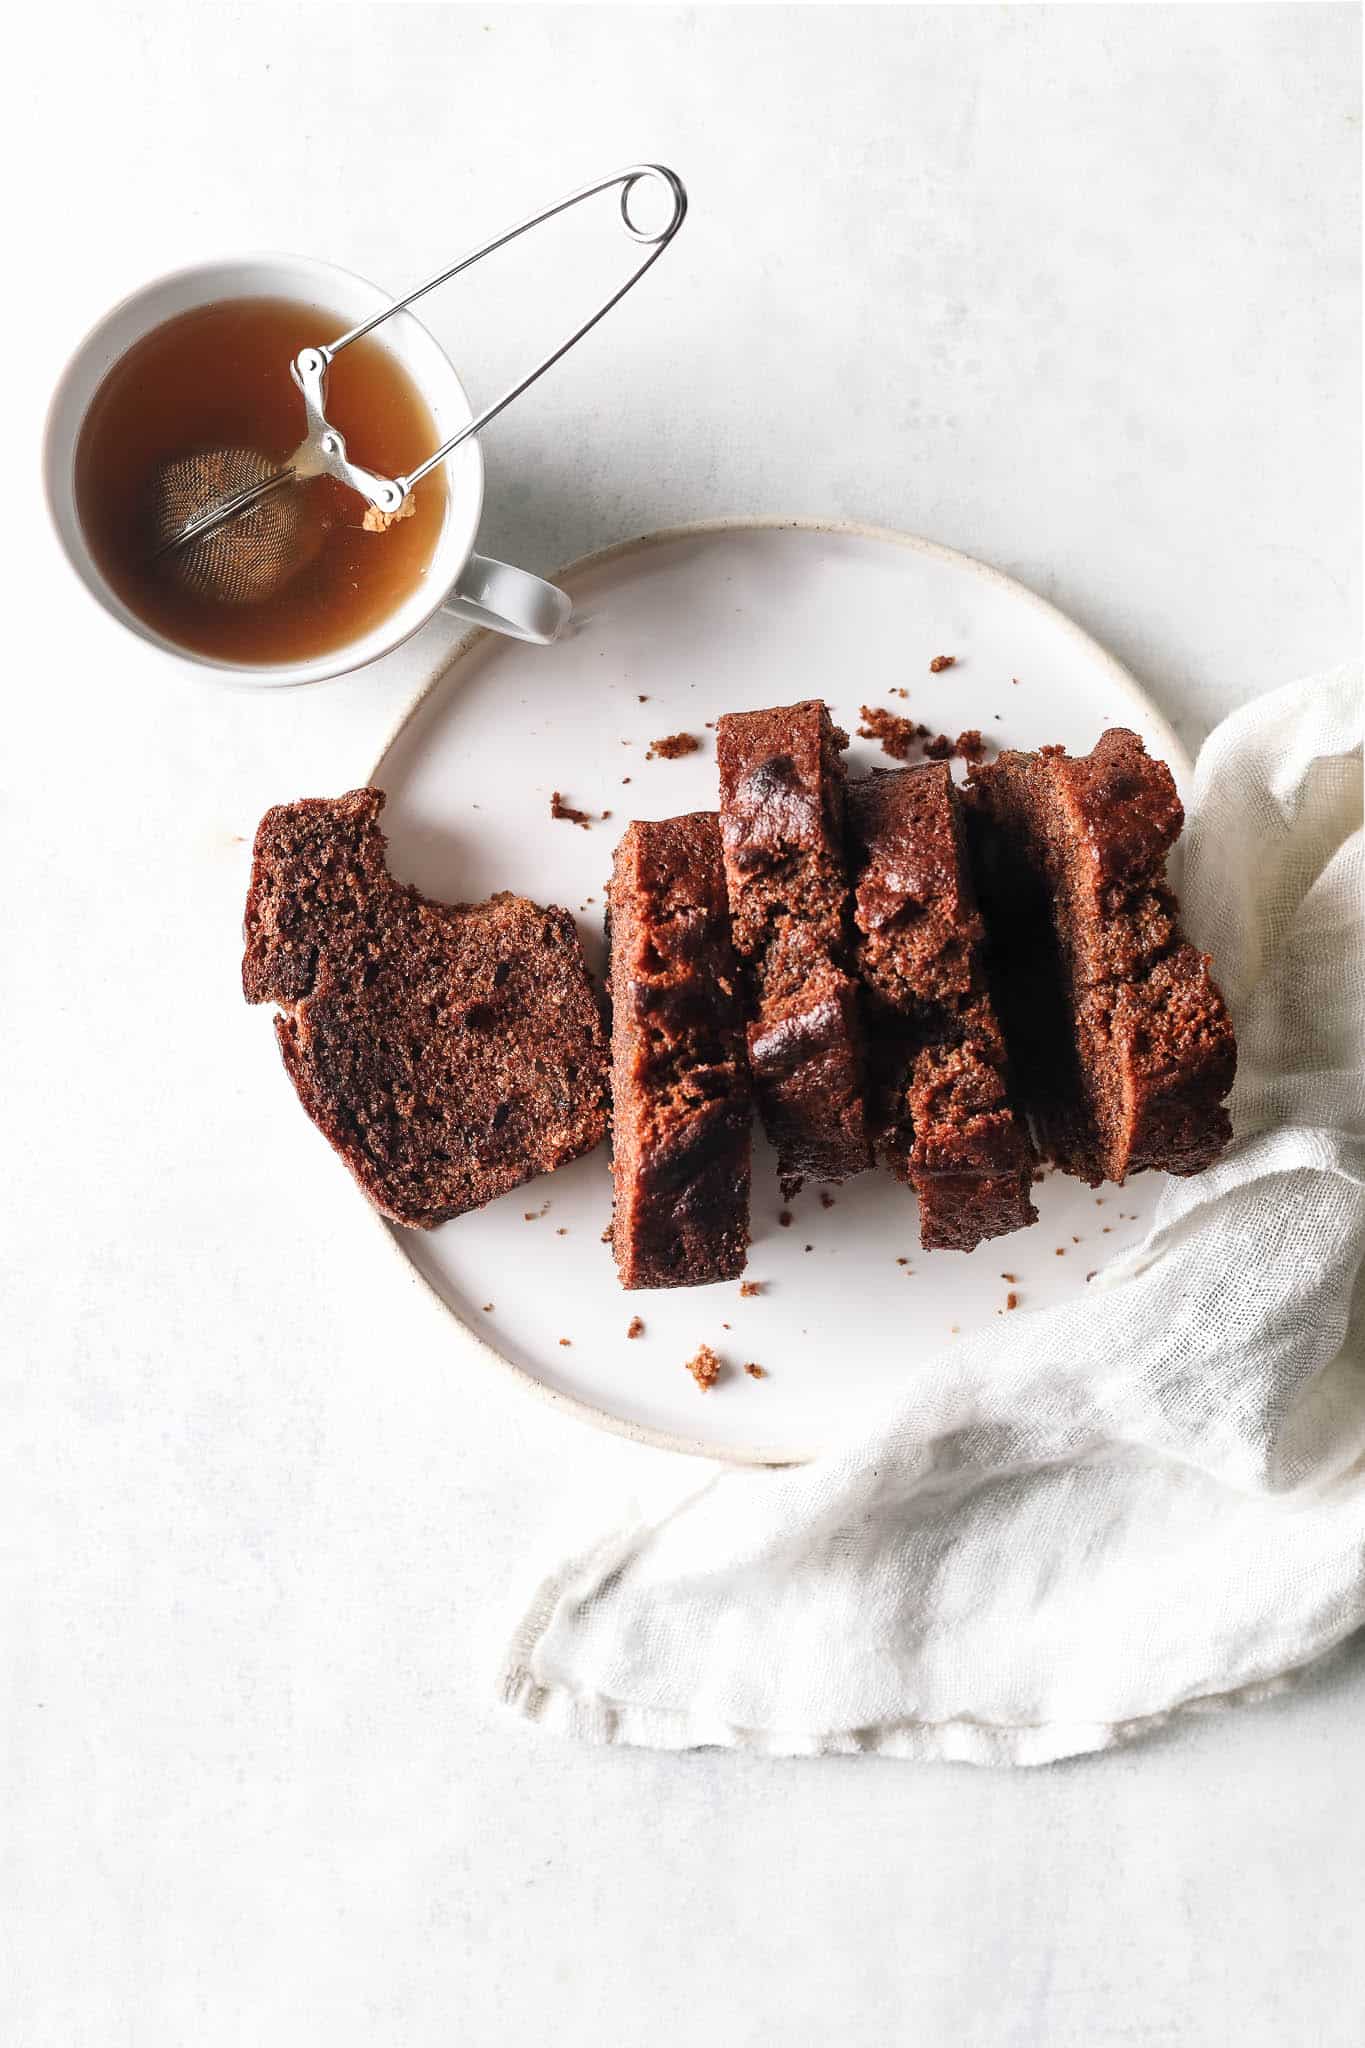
{"x":247,"y":558}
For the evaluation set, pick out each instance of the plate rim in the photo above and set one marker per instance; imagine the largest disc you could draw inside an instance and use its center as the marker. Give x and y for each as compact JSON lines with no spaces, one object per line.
{"x":1177,"y":758}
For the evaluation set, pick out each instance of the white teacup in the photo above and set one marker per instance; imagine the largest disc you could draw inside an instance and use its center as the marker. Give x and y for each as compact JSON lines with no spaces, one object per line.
{"x":469,"y":585}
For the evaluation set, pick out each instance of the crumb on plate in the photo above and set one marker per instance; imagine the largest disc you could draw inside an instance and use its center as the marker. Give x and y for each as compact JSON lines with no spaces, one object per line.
{"x":559,"y":809}
{"x":704,"y":1368}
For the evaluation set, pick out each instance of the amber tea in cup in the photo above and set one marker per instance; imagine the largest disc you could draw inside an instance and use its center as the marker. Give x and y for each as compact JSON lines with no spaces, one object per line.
{"x":218,"y":377}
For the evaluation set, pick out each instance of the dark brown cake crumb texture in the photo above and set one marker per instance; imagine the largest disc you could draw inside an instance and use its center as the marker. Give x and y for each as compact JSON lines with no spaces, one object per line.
{"x":896,"y":735}
{"x":945,"y":1120}
{"x":940,"y":662}
{"x":673,"y":746}
{"x":635,"y":1327}
{"x":680,"y":1078}
{"x":559,"y":809}
{"x":782,"y":799}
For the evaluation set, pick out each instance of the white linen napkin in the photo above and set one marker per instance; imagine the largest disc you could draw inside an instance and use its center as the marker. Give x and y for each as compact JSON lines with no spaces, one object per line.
{"x":1081,"y":1520}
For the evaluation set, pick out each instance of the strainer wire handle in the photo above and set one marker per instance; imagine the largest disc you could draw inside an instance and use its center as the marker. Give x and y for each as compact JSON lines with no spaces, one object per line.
{"x":656,"y":240}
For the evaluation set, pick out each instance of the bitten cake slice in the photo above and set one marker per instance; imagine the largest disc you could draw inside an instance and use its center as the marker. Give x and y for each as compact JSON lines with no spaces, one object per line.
{"x":781,"y":821}
{"x":680,"y":1079}
{"x":944,"y":1116}
{"x":447,"y":1051}
{"x":1121,"y":1040}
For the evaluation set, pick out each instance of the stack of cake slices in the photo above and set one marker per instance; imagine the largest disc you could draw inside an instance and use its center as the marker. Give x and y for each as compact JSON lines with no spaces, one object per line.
{"x":960,"y":981}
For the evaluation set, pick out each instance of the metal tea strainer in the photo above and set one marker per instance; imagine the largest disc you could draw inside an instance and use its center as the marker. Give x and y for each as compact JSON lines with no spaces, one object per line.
{"x":231,"y":526}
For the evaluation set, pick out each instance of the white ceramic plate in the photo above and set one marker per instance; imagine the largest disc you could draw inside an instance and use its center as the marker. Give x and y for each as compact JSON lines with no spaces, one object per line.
{"x":669,"y":632}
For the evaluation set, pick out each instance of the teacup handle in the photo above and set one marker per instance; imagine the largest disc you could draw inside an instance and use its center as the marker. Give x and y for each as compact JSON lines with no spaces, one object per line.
{"x":508,"y":600}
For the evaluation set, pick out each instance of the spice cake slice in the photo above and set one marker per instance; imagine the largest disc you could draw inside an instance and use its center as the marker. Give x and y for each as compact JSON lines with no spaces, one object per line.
{"x":680,"y":1078}
{"x":782,"y":825}
{"x":447,"y":1051}
{"x":1121,"y":1038}
{"x":945,"y":1121}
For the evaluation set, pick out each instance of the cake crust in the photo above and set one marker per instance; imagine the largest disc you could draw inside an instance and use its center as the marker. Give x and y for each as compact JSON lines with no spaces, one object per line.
{"x":782,"y":824}
{"x":945,"y":1120}
{"x":1122,"y":1039}
{"x":448,"y":1052}
{"x":680,"y":1077}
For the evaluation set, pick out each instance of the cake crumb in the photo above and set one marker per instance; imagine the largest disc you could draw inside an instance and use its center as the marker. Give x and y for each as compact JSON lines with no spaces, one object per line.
{"x":810,"y":1247}
{"x":1011,"y":1300}
{"x":826,"y":1199}
{"x":1090,"y":1276}
{"x":939,"y":748}
{"x":562,"y":1231}
{"x":1061,"y":1251}
{"x":704,"y":1368}
{"x":784,"y":1217}
{"x":1075,"y":1240}
{"x":624,"y":780}
{"x":896,"y":692}
{"x":755,"y":1372}
{"x":1010,"y":1277}
{"x":635,"y":1327}
{"x":642,"y":700}
{"x":940,"y":662}
{"x":902,"y":1262}
{"x":606,"y":1236}
{"x":895,"y":734}
{"x":559,"y":809}
{"x":673,"y":746}
{"x":567,"y":1342}
{"x":488,"y":1308}
{"x":748,"y":1288}
{"x":970,"y":745}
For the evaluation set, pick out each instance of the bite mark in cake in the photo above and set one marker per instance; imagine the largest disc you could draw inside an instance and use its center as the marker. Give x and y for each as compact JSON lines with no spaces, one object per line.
{"x":448,"y":1052}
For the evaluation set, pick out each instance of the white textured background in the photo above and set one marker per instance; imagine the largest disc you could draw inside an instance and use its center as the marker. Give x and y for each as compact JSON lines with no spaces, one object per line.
{"x":1075,"y":290}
